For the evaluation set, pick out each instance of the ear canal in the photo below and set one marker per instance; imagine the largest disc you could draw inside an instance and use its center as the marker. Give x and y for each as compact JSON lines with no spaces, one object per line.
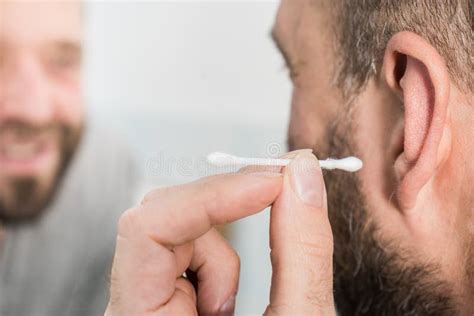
{"x":400,"y":67}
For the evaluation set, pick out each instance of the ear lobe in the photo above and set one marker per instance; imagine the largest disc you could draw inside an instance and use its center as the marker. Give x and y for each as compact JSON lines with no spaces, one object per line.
{"x":415,"y":72}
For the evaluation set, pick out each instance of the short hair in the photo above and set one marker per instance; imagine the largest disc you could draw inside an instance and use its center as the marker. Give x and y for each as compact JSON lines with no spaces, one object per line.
{"x":364,"y":27}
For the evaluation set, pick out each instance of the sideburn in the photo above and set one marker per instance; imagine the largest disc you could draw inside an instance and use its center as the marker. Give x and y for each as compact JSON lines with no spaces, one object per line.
{"x":373,"y":276}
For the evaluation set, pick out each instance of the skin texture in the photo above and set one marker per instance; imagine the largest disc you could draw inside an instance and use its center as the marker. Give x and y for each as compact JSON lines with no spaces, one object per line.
{"x":171,"y":231}
{"x":41,"y":110}
{"x":403,"y":222}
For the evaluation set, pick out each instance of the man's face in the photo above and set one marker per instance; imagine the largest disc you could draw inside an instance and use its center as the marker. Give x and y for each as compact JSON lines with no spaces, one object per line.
{"x":385,"y":262}
{"x":40,"y":101}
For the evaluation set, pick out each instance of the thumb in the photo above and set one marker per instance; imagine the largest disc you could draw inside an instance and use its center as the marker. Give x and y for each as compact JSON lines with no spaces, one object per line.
{"x":301,"y":243}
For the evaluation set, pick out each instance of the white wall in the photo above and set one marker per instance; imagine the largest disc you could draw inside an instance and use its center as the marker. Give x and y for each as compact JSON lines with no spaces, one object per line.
{"x":181,"y":79}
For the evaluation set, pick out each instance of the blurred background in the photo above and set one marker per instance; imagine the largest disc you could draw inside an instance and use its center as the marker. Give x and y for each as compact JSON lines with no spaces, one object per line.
{"x":180,"y":79}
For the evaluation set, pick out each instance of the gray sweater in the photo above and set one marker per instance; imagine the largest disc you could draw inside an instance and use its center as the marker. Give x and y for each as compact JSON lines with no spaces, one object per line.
{"x":60,"y":264}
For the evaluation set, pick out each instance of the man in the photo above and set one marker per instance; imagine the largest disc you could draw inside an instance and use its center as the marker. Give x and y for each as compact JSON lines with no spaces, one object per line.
{"x":389,"y":81}
{"x":62,"y":185}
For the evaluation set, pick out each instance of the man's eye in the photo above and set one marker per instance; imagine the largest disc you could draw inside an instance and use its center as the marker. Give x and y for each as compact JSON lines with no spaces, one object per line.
{"x":64,"y":61}
{"x":293,"y":74}
{"x":62,"y":58}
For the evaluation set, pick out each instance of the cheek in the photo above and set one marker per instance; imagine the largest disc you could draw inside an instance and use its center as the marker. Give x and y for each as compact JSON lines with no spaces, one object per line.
{"x":309,"y":120}
{"x":301,"y":134}
{"x":69,"y":102}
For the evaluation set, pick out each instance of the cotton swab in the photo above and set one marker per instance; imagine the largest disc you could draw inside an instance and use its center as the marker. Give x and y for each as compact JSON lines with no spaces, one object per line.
{"x":219,"y":159}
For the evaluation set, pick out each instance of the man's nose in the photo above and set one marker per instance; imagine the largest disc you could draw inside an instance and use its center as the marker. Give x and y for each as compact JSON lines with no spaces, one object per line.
{"x":25,"y":93}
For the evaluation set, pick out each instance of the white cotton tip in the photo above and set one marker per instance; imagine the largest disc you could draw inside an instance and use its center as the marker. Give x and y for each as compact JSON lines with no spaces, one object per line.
{"x":351,"y":164}
{"x":220,"y":159}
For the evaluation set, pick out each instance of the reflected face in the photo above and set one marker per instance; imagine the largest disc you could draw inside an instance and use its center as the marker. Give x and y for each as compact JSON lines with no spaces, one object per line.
{"x":40,"y":101}
{"x":384,"y":261}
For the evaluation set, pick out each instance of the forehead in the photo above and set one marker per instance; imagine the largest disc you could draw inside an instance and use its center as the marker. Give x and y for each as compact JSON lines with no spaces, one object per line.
{"x":29,"y":21}
{"x":288,"y":17}
{"x":301,"y":23}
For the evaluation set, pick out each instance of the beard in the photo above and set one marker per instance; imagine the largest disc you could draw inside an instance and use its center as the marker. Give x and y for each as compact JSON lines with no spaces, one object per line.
{"x":373,"y":276}
{"x":27,"y":197}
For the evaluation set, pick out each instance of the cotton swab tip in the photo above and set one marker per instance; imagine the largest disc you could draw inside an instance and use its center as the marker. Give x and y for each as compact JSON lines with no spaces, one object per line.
{"x":350,"y":164}
{"x":220,"y":159}
{"x":355,"y":164}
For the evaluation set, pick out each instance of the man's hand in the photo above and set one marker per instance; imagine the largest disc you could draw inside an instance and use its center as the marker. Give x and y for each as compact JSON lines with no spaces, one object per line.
{"x":172,"y":231}
{"x":301,"y":243}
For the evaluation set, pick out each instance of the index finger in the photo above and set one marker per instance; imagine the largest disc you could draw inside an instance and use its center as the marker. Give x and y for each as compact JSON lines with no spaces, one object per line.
{"x":175,"y":215}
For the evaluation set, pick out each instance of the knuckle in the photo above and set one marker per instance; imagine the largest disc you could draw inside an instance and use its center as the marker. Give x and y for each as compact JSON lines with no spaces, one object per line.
{"x":210,"y":198}
{"x":318,"y":245}
{"x":128,"y":221}
{"x":233,"y":260}
{"x":314,"y":250}
{"x":153,"y":195}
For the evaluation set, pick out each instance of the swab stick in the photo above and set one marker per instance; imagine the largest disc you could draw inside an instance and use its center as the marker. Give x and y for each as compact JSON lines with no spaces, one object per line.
{"x":219,"y":159}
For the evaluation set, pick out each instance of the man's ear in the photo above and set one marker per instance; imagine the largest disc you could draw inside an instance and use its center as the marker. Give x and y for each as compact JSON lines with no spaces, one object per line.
{"x":418,"y":75}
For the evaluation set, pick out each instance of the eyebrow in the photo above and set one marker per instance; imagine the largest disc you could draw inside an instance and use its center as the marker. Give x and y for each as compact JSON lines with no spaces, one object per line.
{"x":66,"y":45}
{"x":278,"y":43}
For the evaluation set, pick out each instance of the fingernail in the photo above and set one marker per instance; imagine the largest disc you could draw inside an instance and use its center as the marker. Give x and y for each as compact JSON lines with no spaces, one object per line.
{"x":307,"y":179}
{"x":228,"y":308}
{"x":294,"y":153}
